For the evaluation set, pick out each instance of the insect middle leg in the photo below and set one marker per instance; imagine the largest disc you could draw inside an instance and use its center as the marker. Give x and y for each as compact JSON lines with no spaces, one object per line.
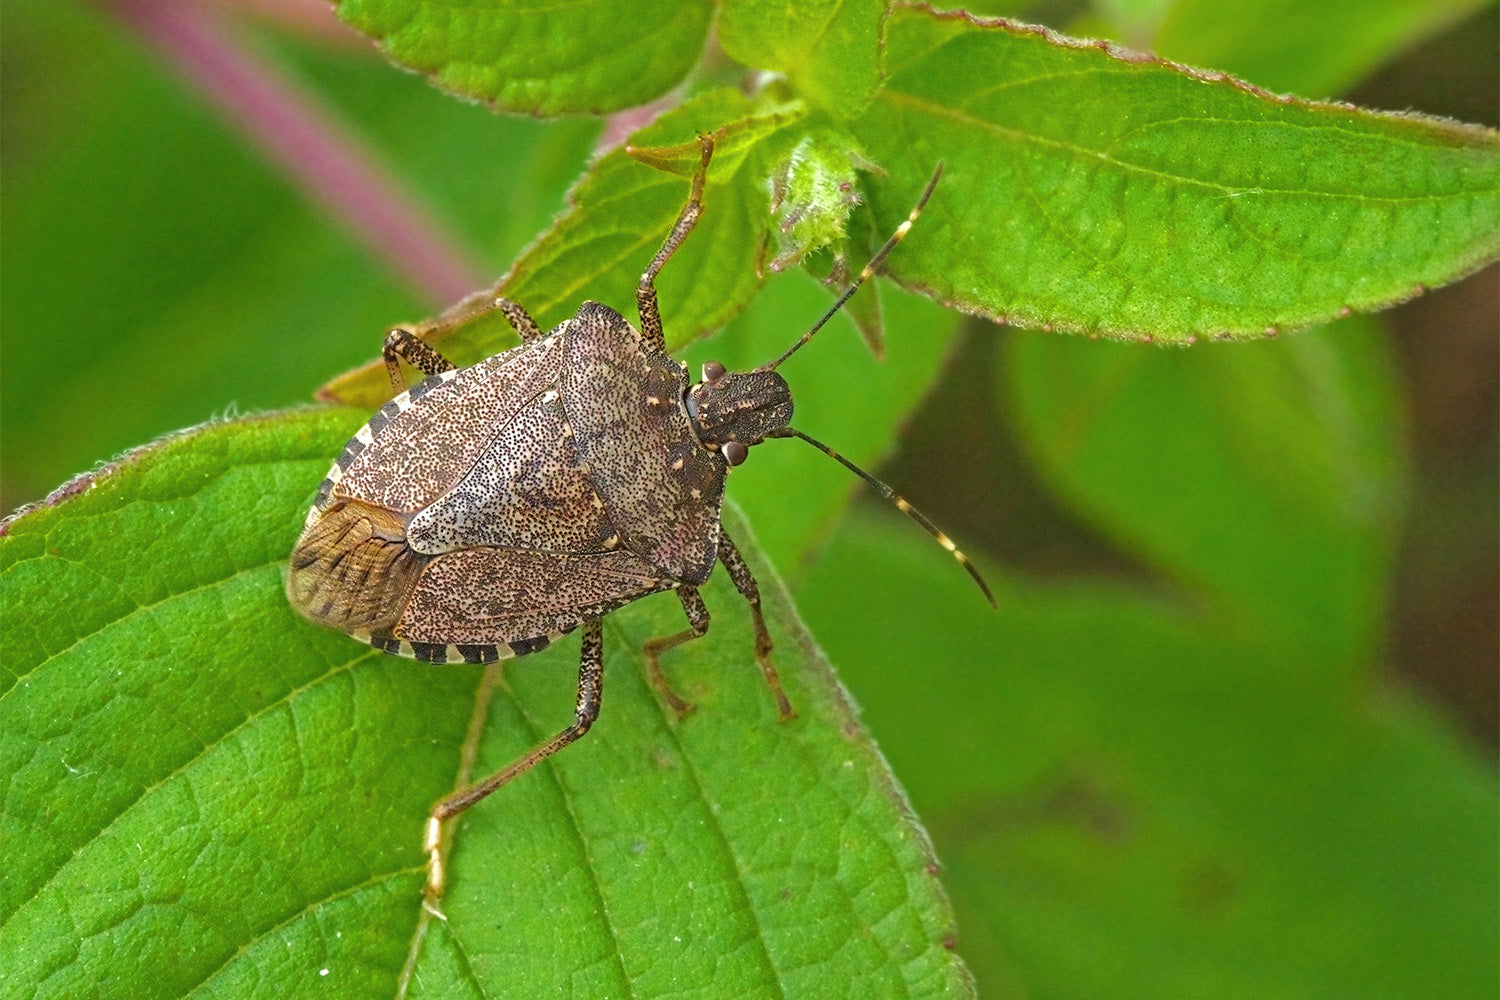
{"x":645,"y":292}
{"x":744,"y":582}
{"x":590,"y":692}
{"x":698,"y":618}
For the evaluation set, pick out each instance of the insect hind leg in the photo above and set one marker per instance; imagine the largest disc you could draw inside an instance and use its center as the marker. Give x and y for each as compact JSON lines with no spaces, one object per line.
{"x":744,"y":582}
{"x":409,"y":343}
{"x":590,"y":695}
{"x":401,"y":344}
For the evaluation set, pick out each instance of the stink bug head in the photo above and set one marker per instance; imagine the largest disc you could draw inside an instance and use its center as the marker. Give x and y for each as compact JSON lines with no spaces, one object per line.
{"x":735,"y":410}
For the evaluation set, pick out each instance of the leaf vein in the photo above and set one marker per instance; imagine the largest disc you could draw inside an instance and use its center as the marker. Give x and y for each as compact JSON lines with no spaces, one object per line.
{"x":714,"y":825}
{"x":374,"y":879}
{"x":182,"y":767}
{"x":969,"y":120}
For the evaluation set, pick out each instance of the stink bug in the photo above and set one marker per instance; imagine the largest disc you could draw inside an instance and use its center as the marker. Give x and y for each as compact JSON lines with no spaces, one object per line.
{"x":487,"y":511}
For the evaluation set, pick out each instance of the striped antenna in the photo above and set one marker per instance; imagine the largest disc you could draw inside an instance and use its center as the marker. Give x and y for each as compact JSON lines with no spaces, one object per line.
{"x":875,"y":262}
{"x":900,"y":504}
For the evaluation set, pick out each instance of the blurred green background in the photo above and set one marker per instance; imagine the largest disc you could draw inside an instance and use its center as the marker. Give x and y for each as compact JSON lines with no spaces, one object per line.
{"x":1233,"y":731}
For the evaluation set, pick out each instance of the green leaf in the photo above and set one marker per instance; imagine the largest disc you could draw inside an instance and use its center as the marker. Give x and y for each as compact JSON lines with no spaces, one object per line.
{"x":1269,"y":479}
{"x":620,"y":213}
{"x":829,"y":49}
{"x":1096,"y":190}
{"x":207,"y":795}
{"x":591,"y":56}
{"x":1148,"y":805}
{"x":1316,"y":50}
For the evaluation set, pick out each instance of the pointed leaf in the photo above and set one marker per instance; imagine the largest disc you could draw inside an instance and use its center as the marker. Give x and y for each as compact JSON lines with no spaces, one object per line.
{"x":1093,"y":189}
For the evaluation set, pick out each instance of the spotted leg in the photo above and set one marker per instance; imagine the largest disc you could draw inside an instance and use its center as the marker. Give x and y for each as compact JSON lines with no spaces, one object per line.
{"x":698,"y":618}
{"x":744,"y":582}
{"x":403,"y":345}
{"x":409,"y":344}
{"x":645,"y":292}
{"x":590,"y":691}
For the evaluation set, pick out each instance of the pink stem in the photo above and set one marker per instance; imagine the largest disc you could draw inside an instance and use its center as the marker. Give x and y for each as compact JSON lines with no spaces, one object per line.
{"x":311,"y":144}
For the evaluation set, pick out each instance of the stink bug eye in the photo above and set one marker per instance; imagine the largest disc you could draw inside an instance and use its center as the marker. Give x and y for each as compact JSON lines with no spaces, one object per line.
{"x":485,"y":512}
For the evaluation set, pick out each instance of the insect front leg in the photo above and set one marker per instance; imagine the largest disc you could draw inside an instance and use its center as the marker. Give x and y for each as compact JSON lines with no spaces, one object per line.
{"x":590,"y":692}
{"x":645,"y":292}
{"x":698,"y":618}
{"x":744,"y":582}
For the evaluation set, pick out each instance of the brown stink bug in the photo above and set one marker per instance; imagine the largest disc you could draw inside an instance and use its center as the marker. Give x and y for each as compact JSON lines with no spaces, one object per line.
{"x":487,"y":511}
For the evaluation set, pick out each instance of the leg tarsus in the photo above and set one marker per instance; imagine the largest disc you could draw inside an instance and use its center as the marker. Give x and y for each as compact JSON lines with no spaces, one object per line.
{"x":590,"y":693}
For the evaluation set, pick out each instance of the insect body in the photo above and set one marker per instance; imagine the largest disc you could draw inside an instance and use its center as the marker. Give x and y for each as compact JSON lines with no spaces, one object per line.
{"x":487,"y":511}
{"x":491,"y":509}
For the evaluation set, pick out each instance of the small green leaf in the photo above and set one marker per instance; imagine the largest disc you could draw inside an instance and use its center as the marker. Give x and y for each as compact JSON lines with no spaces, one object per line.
{"x":589,"y":56}
{"x":207,"y":796}
{"x":812,"y":194}
{"x":1097,"y":190}
{"x":829,"y":49}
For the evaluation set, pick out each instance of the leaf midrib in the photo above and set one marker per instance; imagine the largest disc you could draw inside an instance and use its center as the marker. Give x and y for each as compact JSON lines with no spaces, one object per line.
{"x":966,"y":118}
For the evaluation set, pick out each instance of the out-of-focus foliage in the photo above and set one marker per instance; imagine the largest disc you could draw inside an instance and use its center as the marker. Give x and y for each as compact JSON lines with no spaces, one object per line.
{"x":1185,"y":774}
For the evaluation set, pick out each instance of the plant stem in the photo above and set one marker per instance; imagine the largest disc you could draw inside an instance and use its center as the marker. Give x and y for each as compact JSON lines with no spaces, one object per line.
{"x":310,"y":144}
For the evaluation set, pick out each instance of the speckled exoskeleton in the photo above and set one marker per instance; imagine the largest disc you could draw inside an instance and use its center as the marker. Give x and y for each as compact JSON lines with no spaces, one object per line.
{"x":487,"y":511}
